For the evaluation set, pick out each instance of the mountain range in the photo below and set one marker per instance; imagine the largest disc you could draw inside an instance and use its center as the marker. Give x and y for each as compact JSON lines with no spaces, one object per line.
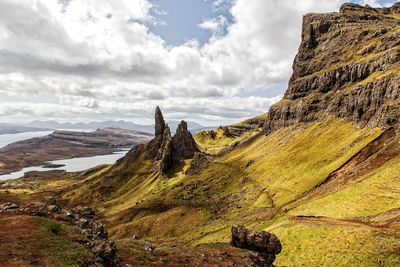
{"x":93,"y":125}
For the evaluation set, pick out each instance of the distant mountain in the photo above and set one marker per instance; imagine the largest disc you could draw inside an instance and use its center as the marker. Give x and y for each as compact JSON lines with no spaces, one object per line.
{"x":93,"y":125}
{"x":14,"y":129}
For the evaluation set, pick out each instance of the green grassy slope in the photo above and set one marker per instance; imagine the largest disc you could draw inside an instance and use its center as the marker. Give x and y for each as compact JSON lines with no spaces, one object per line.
{"x":251,"y":185}
{"x":36,"y":241}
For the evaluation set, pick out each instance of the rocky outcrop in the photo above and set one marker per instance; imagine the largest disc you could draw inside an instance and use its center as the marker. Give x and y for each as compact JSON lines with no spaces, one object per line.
{"x":264,"y":245}
{"x":199,"y":162}
{"x":164,"y":157}
{"x":154,"y":145}
{"x":160,"y":123}
{"x":164,"y":149}
{"x":95,"y":236}
{"x":183,"y":144}
{"x":347,"y":66}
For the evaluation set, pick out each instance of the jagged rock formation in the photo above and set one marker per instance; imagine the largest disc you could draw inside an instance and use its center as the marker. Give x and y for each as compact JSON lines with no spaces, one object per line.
{"x":160,"y":123}
{"x":166,"y":150}
{"x":264,"y":245}
{"x":347,"y":66}
{"x":164,"y":156}
{"x":154,"y":145}
{"x":183,"y":144}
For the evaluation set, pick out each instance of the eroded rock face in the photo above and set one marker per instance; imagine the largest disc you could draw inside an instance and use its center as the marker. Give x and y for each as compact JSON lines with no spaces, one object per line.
{"x":264,"y":245}
{"x":347,"y":66}
{"x":164,"y":157}
{"x":160,"y":123}
{"x":164,"y":149}
{"x":199,"y":162}
{"x":183,"y":144}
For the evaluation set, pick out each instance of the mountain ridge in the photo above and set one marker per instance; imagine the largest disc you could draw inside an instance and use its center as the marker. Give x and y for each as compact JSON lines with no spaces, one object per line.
{"x":347,"y":66}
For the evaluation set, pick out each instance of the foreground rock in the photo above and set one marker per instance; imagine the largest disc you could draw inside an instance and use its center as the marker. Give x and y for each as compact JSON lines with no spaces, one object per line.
{"x":264,"y":246}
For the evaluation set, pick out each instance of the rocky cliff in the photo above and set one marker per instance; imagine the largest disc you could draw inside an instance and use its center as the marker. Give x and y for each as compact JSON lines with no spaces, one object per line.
{"x":348,"y":66}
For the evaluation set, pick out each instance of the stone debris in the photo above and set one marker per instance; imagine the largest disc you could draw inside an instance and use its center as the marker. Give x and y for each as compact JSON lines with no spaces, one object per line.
{"x":95,"y":235}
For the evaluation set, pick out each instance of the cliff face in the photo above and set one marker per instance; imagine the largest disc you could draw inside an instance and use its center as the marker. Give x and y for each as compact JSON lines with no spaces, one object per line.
{"x":347,"y":66}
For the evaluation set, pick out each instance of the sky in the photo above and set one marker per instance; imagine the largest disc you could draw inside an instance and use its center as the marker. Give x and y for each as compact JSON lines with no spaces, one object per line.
{"x":210,"y":61}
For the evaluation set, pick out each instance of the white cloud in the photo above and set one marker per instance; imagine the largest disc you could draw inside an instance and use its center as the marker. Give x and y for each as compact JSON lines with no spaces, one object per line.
{"x":373,"y":3}
{"x":215,"y":25}
{"x":215,"y":111}
{"x":99,"y":58}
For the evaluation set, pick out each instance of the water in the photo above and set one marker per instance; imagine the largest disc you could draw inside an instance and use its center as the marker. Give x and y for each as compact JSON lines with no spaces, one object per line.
{"x":71,"y":165}
{"x":6,"y":139}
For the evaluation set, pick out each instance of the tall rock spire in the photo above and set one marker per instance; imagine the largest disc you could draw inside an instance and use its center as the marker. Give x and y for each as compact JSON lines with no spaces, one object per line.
{"x":160,"y":123}
{"x":183,"y":144}
{"x":166,"y":150}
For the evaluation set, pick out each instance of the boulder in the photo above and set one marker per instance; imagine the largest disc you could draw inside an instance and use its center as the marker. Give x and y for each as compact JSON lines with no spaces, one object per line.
{"x":264,"y":245}
{"x":8,"y":207}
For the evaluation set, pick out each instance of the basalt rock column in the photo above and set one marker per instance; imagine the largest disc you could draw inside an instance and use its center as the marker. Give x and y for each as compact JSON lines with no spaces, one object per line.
{"x":164,"y":156}
{"x":155,"y":144}
{"x":160,"y":123}
{"x":164,"y":149}
{"x":183,"y":144}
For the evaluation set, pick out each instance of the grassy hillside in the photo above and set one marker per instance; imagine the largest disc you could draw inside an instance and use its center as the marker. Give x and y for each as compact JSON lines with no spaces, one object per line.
{"x":313,"y":185}
{"x":262,"y":184}
{"x":36,"y":241}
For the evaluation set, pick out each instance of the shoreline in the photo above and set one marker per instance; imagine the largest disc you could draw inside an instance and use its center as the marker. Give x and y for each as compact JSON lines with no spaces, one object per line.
{"x":48,"y":165}
{"x":66,"y":145}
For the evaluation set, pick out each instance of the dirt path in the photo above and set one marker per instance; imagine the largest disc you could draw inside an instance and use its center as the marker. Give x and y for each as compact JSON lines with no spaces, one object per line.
{"x":317,"y":220}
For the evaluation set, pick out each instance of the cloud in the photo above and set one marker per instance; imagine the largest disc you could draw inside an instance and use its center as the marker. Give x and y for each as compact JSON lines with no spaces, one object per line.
{"x":215,"y":25}
{"x":98,"y":58}
{"x":221,"y":4}
{"x":373,"y":3}
{"x":215,"y":111}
